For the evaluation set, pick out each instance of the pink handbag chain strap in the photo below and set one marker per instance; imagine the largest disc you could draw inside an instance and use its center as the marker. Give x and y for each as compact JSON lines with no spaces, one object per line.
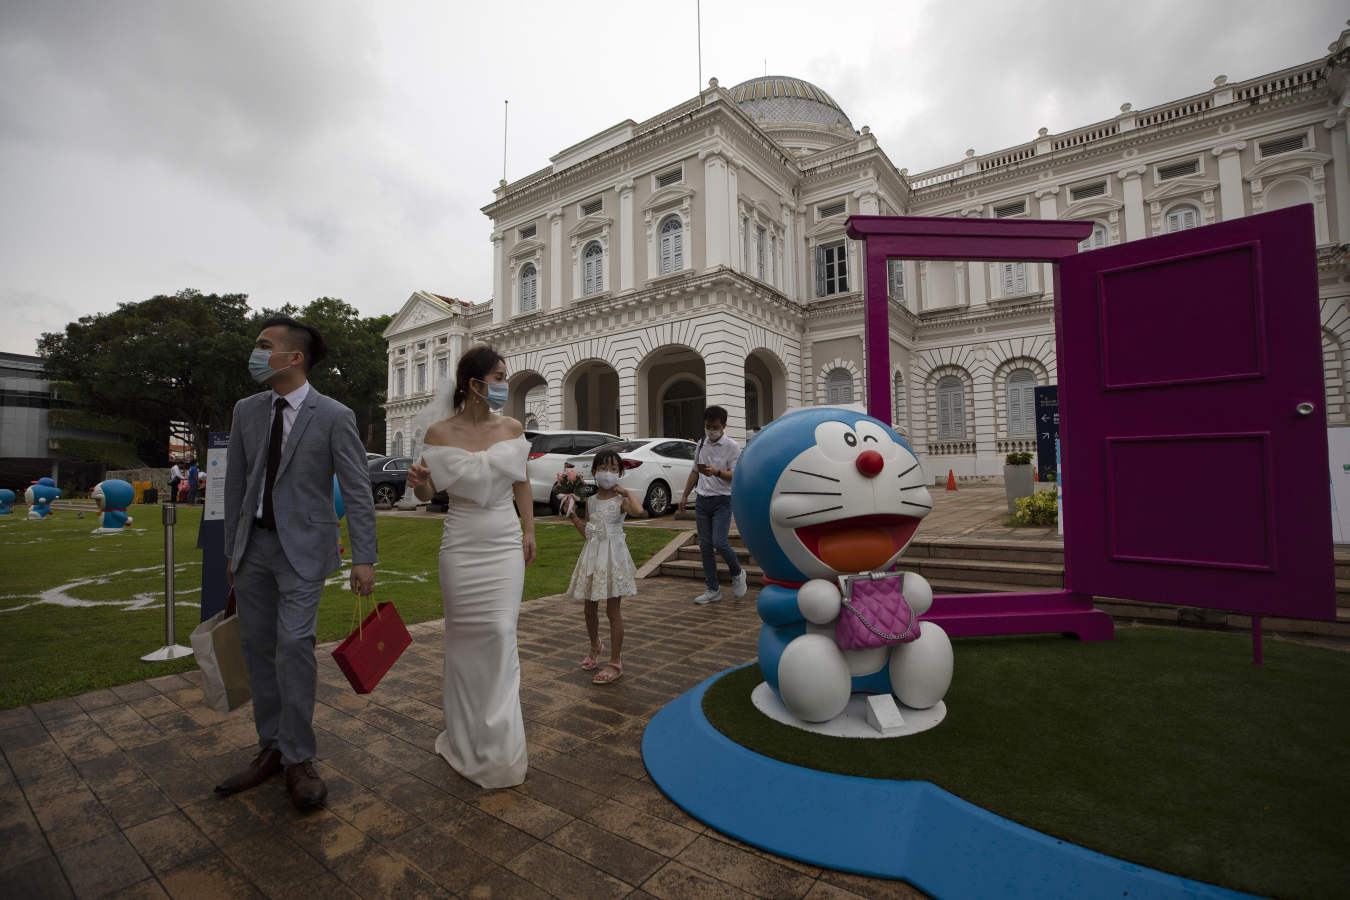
{"x":846,"y":582}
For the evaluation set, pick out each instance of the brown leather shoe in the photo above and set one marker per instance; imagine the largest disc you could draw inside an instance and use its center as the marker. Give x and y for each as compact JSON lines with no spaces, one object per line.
{"x":266,"y":764}
{"x":306,"y":787}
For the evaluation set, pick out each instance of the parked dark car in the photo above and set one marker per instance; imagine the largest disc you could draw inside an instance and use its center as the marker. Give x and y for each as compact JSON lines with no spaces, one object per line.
{"x":388,"y":478}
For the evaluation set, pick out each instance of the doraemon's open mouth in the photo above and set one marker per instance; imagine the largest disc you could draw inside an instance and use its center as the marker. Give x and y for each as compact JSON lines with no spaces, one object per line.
{"x":859,"y":543}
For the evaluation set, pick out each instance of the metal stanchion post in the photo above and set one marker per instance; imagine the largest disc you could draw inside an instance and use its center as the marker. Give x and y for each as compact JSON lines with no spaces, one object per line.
{"x":170,"y":650}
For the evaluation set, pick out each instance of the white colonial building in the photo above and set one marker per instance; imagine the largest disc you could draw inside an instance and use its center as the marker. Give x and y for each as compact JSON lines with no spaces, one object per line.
{"x":699,"y":257}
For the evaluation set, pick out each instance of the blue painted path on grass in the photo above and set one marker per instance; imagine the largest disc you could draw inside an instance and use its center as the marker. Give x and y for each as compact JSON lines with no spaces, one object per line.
{"x":912,"y":830}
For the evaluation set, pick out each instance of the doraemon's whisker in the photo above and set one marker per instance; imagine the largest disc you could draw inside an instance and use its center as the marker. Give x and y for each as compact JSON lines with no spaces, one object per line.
{"x":912,"y":503}
{"x":907,"y":471}
{"x":914,"y":487}
{"x":814,"y":475}
{"x":815,"y":493}
{"x":815,"y":512}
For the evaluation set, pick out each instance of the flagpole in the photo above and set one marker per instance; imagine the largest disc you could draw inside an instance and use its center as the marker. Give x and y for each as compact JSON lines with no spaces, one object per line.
{"x":698,"y":12}
{"x":506,"y":115}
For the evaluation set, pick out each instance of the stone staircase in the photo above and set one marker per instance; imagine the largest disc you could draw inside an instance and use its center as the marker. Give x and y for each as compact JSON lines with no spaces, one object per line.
{"x":959,"y":565}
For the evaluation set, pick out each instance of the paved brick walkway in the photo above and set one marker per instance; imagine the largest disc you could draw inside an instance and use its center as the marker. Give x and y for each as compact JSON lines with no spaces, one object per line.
{"x":109,"y":793}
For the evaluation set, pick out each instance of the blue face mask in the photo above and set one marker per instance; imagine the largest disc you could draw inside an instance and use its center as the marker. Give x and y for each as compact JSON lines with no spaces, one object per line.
{"x":496,"y":395}
{"x":260,"y":364}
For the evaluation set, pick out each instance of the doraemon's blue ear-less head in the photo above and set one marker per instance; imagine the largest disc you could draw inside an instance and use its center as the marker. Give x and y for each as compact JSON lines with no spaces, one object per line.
{"x":47,"y":482}
{"x":823,"y":491}
{"x":113,"y":494}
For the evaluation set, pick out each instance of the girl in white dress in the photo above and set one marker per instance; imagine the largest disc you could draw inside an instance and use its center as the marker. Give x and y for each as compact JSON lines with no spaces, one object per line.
{"x":605,"y":570}
{"x":478,"y":459}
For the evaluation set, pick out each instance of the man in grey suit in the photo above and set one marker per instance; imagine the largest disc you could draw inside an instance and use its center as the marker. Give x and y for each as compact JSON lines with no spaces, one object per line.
{"x":281,"y":540}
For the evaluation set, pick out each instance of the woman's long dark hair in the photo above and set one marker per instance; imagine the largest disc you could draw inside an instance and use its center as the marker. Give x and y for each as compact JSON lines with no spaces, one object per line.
{"x":476,"y":362}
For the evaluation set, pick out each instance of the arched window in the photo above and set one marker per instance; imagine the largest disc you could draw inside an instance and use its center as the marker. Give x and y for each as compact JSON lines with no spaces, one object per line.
{"x":1096,"y":240}
{"x":592,"y":269}
{"x":1180,"y":218}
{"x":529,"y":288}
{"x":751,"y":404}
{"x":672,"y":245}
{"x":1014,"y":278}
{"x":1021,"y":403}
{"x":396,"y":449}
{"x":531,"y":423}
{"x":951,"y":409}
{"x":839,"y":386}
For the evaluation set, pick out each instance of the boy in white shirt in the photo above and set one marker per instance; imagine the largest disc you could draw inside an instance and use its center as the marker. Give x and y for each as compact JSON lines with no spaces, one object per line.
{"x":714,"y":461}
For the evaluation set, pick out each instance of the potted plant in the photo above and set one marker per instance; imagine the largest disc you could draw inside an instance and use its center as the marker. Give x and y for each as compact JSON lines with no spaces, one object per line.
{"x":1017,"y":481}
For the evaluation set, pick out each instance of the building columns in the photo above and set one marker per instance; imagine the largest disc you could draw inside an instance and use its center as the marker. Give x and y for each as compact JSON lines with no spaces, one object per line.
{"x":717,"y":237}
{"x":499,"y":304}
{"x":555,"y":261}
{"x":1134,"y":202}
{"x":1230,"y":180}
{"x":625,"y":189}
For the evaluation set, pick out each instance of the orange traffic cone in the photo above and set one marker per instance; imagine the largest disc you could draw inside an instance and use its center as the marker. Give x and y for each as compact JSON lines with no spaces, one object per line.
{"x":951,"y":480}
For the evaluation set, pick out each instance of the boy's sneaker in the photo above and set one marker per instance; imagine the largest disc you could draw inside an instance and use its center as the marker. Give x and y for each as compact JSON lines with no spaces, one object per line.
{"x":708,"y":597}
{"x":738,"y":587}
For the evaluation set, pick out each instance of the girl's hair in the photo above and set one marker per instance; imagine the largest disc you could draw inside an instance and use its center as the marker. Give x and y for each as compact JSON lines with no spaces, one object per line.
{"x":476,"y":362}
{"x":606,"y":456}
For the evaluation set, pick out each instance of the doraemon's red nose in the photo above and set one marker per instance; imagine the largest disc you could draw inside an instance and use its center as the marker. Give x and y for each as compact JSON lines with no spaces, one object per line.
{"x":870,"y":463}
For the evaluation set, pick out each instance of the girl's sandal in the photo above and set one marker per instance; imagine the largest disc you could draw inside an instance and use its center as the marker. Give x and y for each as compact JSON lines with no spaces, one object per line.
{"x":610,"y":673}
{"x":592,"y":661}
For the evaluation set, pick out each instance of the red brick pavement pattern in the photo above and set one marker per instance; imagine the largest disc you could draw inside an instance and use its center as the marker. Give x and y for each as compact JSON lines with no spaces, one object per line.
{"x":109,"y":793}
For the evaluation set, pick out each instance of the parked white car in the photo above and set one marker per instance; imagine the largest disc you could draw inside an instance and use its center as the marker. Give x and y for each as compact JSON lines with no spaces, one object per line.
{"x":654,"y":469}
{"x":550,"y":449}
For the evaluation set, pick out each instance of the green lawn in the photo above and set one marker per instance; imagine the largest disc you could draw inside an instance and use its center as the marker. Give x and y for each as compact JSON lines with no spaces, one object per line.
{"x":1164,"y":747}
{"x":77,"y":610}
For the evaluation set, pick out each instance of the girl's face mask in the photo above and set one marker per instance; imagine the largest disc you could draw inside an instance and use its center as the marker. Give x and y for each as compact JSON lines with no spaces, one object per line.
{"x":607,"y":480}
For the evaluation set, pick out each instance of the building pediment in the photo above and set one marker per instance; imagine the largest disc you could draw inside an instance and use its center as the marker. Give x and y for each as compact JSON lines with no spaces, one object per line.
{"x":590,"y":224}
{"x":675,"y":195}
{"x":527,"y":248}
{"x":419,"y":309}
{"x":1181,"y":187}
{"x":832,"y":225}
{"x":1303,"y":161}
{"x":1097,"y":206}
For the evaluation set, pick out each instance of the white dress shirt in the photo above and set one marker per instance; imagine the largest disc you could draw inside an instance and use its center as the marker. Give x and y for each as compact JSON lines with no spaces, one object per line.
{"x":722,"y":456}
{"x":293,"y":401}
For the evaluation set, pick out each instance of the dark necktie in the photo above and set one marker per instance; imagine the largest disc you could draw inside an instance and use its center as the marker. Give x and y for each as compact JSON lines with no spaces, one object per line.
{"x":273,"y":463}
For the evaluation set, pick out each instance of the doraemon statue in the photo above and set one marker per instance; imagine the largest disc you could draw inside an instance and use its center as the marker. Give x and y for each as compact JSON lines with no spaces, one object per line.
{"x":7,"y":498}
{"x":113,"y":497}
{"x":39,"y":497}
{"x":821,"y":494}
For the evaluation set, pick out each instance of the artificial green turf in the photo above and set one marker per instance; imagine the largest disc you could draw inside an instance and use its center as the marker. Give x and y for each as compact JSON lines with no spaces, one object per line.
{"x":49,"y":651}
{"x":1163,"y":747}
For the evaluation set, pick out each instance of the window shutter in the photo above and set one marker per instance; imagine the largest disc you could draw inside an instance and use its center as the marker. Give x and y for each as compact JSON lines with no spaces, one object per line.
{"x":820,"y":271}
{"x":1008,"y":279}
{"x":677,"y":250}
{"x":895,"y":279}
{"x":841,"y":266}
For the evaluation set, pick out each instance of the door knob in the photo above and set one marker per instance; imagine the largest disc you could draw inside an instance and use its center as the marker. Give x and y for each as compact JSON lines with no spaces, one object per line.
{"x":1304,"y":409}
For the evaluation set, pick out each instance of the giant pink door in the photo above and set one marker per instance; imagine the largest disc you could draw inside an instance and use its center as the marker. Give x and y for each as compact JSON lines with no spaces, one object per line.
{"x":1193,"y":438}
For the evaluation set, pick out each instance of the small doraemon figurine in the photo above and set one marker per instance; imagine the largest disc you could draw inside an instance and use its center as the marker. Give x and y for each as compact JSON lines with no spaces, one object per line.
{"x":7,"y":498}
{"x":113,"y":497}
{"x":39,"y":497}
{"x":826,"y":501}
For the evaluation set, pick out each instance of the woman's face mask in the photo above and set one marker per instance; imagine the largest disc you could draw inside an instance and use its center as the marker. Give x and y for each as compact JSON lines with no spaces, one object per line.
{"x":497,"y":392}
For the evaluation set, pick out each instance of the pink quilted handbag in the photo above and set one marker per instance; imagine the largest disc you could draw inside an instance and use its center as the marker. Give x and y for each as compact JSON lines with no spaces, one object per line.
{"x":874,"y":612}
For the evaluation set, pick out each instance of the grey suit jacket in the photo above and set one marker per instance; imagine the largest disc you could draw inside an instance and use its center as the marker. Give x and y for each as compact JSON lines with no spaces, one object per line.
{"x":323,"y":442}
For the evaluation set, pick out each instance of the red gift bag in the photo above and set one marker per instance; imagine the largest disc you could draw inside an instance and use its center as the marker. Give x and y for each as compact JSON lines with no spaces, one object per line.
{"x":372,"y":647}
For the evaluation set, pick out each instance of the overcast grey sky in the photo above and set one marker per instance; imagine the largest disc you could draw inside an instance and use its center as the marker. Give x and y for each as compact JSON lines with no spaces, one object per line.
{"x":300,"y":148}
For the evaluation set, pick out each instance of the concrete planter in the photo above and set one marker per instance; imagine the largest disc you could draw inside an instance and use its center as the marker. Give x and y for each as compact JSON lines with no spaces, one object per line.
{"x":1017,"y":482}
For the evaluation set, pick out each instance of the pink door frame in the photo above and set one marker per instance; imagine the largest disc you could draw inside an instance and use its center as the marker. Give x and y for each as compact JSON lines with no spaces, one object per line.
{"x":1052,"y":241}
{"x":991,"y":240}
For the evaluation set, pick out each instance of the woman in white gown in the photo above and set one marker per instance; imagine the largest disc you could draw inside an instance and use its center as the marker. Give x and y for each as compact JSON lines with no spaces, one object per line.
{"x":478,"y":459}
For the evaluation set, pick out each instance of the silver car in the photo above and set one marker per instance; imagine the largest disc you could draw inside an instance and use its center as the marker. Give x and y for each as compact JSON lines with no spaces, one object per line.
{"x":654,"y":469}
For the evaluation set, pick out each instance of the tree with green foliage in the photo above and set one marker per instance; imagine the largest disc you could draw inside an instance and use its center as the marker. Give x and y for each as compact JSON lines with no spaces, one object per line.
{"x":170,"y":358}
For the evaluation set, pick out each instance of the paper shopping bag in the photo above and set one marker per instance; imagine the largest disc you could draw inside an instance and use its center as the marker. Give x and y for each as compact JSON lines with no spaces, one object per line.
{"x":220,"y":655}
{"x":372,"y":647}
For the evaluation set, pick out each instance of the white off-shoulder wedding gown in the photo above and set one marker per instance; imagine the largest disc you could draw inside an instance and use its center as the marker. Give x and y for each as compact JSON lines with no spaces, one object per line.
{"x":482,"y":573}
